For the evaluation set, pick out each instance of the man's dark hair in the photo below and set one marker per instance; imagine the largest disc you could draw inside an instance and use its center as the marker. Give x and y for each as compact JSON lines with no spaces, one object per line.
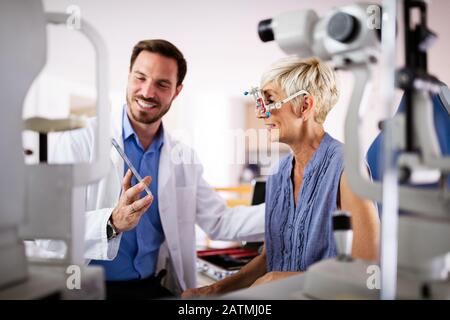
{"x":164,"y":48}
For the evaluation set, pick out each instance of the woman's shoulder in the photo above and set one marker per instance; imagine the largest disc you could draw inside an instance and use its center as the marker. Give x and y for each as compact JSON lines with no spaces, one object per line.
{"x":331,"y":154}
{"x":334,"y":147}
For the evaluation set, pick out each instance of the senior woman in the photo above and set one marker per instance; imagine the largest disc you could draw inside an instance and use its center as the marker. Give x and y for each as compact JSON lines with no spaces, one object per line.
{"x":308,"y":185}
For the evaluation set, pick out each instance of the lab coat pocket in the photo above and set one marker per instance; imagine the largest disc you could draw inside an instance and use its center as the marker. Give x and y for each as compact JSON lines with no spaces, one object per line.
{"x":186,"y":203}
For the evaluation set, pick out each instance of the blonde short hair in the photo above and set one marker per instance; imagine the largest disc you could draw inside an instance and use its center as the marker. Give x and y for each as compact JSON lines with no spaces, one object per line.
{"x":313,"y":75}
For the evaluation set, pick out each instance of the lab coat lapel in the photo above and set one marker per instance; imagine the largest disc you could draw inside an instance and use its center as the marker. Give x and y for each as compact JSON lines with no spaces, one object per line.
{"x":165,"y":163}
{"x":168,"y":206}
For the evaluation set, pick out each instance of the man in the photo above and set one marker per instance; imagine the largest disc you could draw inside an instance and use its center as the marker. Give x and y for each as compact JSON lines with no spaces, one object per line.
{"x":133,"y":236}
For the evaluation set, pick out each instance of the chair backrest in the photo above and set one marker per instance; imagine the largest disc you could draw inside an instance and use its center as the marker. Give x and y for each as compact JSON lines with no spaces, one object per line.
{"x":245,"y":194}
{"x":259,"y":191}
{"x":441,"y":108}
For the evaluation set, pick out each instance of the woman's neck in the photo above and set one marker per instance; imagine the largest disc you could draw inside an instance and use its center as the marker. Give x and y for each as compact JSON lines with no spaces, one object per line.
{"x":306,"y":145}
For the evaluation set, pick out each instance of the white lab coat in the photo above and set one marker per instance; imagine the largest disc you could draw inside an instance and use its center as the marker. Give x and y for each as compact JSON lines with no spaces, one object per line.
{"x":185,"y":199}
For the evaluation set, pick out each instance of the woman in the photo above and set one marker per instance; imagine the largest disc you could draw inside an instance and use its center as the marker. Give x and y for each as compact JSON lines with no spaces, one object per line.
{"x":310,"y":183}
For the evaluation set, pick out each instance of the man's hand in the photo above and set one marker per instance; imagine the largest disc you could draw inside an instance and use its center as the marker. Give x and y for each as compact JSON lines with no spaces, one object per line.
{"x":199,"y":292}
{"x":128,"y":212}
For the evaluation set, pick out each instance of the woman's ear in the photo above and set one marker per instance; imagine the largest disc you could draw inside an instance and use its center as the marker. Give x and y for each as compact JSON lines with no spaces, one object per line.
{"x":307,"y":107}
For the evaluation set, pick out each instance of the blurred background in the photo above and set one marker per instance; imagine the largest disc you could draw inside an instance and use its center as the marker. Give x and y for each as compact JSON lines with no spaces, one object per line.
{"x":225,"y":57}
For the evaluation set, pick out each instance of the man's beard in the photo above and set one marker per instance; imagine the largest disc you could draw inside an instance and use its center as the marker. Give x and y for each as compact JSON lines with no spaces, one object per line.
{"x":144,"y":117}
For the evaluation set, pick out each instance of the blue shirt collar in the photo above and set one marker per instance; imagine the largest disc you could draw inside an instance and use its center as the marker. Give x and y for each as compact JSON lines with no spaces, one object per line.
{"x":129,"y":131}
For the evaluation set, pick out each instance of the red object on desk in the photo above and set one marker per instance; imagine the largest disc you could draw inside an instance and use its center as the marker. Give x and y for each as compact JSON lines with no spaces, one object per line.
{"x":235,"y":252}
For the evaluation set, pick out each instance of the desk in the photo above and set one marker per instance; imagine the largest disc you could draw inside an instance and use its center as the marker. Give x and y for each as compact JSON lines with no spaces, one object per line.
{"x":285,"y":289}
{"x":45,"y":281}
{"x":203,"y":280}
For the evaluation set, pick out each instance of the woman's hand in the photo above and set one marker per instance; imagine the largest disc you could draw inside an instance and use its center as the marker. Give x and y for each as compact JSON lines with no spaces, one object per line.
{"x":199,"y":292}
{"x":274,"y":275}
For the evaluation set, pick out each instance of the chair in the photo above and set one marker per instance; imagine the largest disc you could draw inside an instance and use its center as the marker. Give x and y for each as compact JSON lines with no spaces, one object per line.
{"x":441,"y":108}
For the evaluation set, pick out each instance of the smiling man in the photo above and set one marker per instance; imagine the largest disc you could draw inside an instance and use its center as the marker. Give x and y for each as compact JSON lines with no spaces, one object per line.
{"x":153,"y":83}
{"x":132,"y":236}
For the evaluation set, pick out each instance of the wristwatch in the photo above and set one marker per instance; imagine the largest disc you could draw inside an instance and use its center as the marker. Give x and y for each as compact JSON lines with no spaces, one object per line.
{"x":111,"y":231}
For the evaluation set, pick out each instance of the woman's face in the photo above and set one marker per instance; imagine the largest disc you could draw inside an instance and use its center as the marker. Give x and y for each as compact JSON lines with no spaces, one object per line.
{"x":283,"y":123}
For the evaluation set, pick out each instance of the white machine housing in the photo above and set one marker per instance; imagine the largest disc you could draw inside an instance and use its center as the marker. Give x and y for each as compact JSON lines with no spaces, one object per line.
{"x":42,"y":200}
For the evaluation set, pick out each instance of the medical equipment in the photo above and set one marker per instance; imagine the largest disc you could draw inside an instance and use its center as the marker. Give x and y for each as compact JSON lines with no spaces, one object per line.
{"x":129,"y":164}
{"x":346,"y":37}
{"x":44,"y":200}
{"x":264,"y":108}
{"x":221,"y":263}
{"x":343,"y":234}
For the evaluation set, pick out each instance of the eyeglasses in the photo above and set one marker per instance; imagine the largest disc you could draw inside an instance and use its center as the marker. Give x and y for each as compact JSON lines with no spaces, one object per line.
{"x":264,"y":108}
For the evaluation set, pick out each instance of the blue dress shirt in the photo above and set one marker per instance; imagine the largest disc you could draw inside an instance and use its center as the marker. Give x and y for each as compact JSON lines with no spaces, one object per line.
{"x":139,"y":247}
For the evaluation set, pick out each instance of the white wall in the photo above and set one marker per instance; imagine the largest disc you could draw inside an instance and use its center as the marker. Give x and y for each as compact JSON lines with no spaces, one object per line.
{"x":224,"y":54}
